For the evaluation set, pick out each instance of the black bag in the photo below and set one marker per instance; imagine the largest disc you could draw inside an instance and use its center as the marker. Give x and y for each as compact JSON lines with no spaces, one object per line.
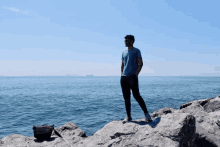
{"x":43,"y":132}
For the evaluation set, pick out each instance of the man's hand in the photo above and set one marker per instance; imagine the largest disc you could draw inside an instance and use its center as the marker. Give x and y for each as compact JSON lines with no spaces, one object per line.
{"x":140,"y":64}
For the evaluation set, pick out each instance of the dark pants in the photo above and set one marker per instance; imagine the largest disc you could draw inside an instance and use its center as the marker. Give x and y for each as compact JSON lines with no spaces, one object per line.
{"x":127,"y":83}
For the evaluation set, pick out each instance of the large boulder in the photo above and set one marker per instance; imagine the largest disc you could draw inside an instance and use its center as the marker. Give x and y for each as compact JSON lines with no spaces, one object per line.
{"x":207,"y":124}
{"x":169,"y":130}
{"x":195,"y":124}
{"x":212,"y":105}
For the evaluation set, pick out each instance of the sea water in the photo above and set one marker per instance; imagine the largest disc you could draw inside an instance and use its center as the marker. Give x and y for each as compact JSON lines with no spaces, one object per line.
{"x":90,"y":102}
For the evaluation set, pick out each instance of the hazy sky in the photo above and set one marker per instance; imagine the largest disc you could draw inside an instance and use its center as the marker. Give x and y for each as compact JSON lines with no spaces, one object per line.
{"x":51,"y":37}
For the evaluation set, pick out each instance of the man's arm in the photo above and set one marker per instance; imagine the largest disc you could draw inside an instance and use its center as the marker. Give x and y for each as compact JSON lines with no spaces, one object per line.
{"x":122,"y":67}
{"x":140,"y":64}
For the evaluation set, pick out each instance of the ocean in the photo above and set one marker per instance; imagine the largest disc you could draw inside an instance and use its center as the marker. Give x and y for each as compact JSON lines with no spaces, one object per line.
{"x":90,"y":102}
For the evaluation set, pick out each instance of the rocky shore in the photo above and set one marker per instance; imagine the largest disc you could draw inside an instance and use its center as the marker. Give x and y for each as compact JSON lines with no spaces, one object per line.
{"x":195,"y":124}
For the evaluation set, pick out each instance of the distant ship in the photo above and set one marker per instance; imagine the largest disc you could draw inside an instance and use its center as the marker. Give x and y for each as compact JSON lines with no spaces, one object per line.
{"x":90,"y":75}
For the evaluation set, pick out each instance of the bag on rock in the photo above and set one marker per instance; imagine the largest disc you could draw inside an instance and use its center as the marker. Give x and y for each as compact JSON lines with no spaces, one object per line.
{"x":43,"y":132}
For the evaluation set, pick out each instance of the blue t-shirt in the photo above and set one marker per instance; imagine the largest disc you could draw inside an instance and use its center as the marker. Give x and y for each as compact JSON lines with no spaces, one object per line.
{"x":130,"y":59}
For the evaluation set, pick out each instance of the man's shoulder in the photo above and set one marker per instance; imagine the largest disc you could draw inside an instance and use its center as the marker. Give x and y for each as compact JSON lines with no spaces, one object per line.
{"x":136,"y":49}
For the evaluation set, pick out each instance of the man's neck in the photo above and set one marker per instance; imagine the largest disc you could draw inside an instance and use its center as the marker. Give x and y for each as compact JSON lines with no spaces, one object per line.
{"x":130,"y":47}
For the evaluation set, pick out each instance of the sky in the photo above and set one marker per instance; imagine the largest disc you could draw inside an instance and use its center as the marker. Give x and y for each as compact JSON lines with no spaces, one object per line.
{"x":58,"y":38}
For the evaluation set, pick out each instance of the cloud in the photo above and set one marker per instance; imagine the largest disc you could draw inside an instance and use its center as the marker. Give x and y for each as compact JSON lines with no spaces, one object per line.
{"x":217,"y":68}
{"x":27,"y":12}
{"x":179,"y":68}
{"x":11,"y":8}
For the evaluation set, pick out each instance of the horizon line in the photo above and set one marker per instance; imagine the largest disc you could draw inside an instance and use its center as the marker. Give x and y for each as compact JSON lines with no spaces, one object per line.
{"x":110,"y":76}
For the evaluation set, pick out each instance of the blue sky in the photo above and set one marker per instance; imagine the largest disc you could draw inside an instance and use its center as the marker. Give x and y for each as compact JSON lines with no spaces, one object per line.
{"x":51,"y":37}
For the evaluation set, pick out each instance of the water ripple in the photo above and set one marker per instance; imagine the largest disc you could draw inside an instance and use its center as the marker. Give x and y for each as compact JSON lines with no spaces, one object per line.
{"x":89,"y":102}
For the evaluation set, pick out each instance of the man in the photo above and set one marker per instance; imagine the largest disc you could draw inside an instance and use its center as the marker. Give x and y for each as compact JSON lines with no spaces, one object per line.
{"x":130,"y":68}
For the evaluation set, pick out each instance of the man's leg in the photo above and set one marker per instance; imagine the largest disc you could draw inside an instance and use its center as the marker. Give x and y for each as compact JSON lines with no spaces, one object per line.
{"x":126,"y":93}
{"x":136,"y":94}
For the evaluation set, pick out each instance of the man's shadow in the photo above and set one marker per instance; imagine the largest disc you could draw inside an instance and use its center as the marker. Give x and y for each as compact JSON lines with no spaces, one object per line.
{"x":153,"y":124}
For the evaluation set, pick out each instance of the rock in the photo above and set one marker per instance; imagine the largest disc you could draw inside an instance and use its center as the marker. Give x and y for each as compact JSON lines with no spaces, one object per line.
{"x":201,"y":102}
{"x":195,"y":124}
{"x":216,"y":117}
{"x":207,"y":128}
{"x":205,"y":139}
{"x":70,"y":132}
{"x":162,"y":111}
{"x":212,"y":105}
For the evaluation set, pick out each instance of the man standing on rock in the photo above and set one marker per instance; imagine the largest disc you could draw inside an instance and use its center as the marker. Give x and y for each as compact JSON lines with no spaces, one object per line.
{"x":130,"y":68}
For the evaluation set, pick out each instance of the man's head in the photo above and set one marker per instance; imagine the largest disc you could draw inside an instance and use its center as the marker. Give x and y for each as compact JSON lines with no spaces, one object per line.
{"x":129,"y":40}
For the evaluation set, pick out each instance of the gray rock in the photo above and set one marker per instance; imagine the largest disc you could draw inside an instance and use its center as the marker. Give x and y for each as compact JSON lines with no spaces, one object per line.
{"x":70,"y":133}
{"x":195,"y":124}
{"x":212,"y":105}
{"x":162,"y":111}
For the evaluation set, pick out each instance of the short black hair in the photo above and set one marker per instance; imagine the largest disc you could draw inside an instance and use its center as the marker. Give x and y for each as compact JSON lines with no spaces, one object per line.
{"x":130,"y":37}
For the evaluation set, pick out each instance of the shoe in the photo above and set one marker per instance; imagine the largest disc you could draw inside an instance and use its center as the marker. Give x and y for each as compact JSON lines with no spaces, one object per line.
{"x":147,"y":118}
{"x":128,"y":118}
